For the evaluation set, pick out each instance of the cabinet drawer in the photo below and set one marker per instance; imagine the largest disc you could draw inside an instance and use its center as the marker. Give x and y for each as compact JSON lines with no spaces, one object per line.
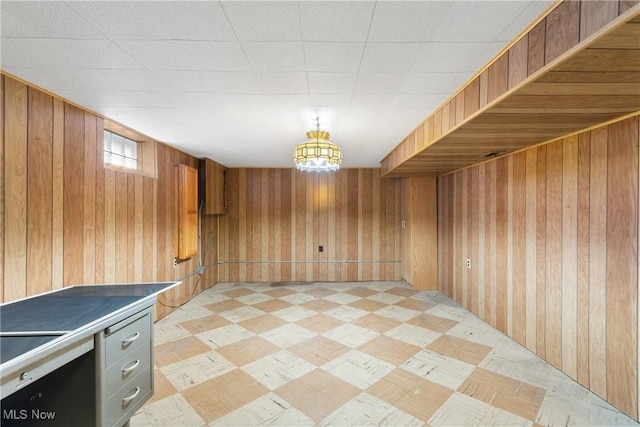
{"x":125,"y":336}
{"x":128,"y":398}
{"x":127,"y":368}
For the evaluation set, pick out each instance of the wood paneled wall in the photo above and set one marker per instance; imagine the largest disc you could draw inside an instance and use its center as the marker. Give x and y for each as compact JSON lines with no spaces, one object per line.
{"x":552,"y":234}
{"x":279,"y":217}
{"x":68,"y":220}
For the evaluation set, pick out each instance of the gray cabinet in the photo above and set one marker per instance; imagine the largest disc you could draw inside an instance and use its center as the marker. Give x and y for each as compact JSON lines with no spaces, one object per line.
{"x":124,"y":362}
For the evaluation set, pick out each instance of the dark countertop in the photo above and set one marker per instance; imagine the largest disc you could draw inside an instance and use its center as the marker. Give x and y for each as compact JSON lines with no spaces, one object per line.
{"x":37,"y":321}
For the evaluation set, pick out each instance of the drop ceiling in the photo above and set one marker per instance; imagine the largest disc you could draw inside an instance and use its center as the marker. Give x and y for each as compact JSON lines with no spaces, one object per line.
{"x":241,"y":82}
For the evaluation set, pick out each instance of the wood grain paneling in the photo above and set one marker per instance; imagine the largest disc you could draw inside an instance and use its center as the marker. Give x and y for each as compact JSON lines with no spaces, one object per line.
{"x":352,"y":213}
{"x":39,"y":191}
{"x":572,"y":258}
{"x":547,"y":76}
{"x":69,"y":220}
{"x":622,"y":266}
{"x":15,"y":166}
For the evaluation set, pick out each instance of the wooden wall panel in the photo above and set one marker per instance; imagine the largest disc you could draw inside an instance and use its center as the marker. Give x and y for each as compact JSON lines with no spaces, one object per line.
{"x":2,"y":166}
{"x":69,"y":220}
{"x":563,"y":29}
{"x":572,"y":257}
{"x":73,"y":195}
{"x":622,"y":265}
{"x":15,"y":191}
{"x":352,"y":213}
{"x":39,"y":191}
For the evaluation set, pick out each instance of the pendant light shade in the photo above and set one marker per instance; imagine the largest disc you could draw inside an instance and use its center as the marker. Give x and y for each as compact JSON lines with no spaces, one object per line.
{"x":317,"y":153}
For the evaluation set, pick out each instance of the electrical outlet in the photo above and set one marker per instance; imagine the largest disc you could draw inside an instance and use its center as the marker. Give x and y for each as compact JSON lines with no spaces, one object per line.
{"x":468,"y":263}
{"x":201,"y":270}
{"x":320,"y":248}
{"x":175,"y":262}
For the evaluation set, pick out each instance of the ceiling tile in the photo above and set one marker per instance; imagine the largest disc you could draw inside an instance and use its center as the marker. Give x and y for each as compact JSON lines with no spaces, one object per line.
{"x":478,"y":21}
{"x":68,"y":53}
{"x":420,"y":20}
{"x":275,"y":56}
{"x":390,"y":57}
{"x":485,"y":55}
{"x":427,"y":83}
{"x":329,"y":101}
{"x":331,"y":83}
{"x":210,"y":81}
{"x":188,"y":55}
{"x":336,"y":21}
{"x":139,"y":99}
{"x":157,"y":20}
{"x":447,"y":57}
{"x":283,"y":83}
{"x":36,"y":20}
{"x":380,"y":82}
{"x":212,"y":101}
{"x":370,"y":101}
{"x":333,"y":57}
{"x":92,"y":79}
{"x":530,"y":14}
{"x":287,"y":101}
{"x":423,"y":103}
{"x":262,"y":21}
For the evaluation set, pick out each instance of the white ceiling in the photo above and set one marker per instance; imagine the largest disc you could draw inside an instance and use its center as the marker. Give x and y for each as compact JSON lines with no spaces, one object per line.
{"x":242,"y":81}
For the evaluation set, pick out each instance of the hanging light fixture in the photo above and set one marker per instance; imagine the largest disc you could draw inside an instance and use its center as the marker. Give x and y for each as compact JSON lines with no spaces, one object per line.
{"x":317,"y":153}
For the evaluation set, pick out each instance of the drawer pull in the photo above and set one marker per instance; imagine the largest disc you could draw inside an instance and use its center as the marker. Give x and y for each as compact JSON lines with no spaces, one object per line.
{"x":130,"y":368}
{"x":132,"y":338}
{"x":132,"y":396}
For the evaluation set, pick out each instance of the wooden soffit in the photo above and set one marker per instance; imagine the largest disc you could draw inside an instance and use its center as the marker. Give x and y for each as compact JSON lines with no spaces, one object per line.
{"x":591,"y":83}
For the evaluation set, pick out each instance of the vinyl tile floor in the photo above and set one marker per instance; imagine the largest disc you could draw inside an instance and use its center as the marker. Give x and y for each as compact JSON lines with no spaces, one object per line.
{"x":351,"y":354}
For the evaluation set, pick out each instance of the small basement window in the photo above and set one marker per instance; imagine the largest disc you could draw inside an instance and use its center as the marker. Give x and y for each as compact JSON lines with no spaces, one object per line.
{"x":120,"y":151}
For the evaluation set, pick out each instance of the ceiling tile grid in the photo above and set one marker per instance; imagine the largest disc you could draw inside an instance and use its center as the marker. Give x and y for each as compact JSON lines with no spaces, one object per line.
{"x":223,"y":79}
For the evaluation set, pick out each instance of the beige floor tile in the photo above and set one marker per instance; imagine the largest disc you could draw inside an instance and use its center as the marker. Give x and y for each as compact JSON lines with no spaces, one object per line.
{"x":262,"y":323}
{"x":204,"y":324}
{"x":361,"y":292}
{"x":320,"y":305}
{"x":409,"y":372}
{"x":277,"y":369}
{"x":248,"y":350}
{"x":376,"y":323}
{"x":413,"y":335}
{"x":397,"y":313}
{"x":279,"y":292}
{"x":503,"y":392}
{"x":435,"y":323}
{"x":171,"y":411}
{"x":319,"y":350}
{"x":389,"y":349}
{"x":350,"y":335}
{"x":367,"y":305}
{"x":403,"y":292}
{"x":162,"y":387}
{"x":197,"y":369}
{"x":272,"y":305}
{"x":317,"y":394}
{"x":239,"y":292}
{"x":414,"y":395}
{"x":319,"y":323}
{"x":320,"y":292}
{"x":460,"y":410}
{"x":359,"y":369}
{"x":414,"y":304}
{"x":226,"y":305}
{"x":346,"y":313}
{"x":365,"y":409}
{"x":178,"y":350}
{"x":460,"y":349}
{"x":442,"y":370}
